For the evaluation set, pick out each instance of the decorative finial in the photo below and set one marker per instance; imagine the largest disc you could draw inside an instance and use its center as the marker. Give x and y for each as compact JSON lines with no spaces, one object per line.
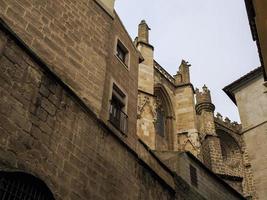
{"x":144,"y":22}
{"x":219,"y":116}
{"x":185,"y":63}
{"x":227,"y":120}
{"x":205,"y":88}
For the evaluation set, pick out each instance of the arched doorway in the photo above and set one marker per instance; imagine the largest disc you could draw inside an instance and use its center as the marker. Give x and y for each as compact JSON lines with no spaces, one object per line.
{"x":22,"y":186}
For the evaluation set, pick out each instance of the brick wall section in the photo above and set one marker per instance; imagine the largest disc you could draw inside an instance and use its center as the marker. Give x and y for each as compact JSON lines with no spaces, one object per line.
{"x":47,"y":133}
{"x":71,"y":36}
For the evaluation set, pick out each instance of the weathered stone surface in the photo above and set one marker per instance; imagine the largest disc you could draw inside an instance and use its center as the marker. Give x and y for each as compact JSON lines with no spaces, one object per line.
{"x":58,"y":140}
{"x":187,"y":120}
{"x":254,"y":128}
{"x":55,"y":112}
{"x":53,"y":28}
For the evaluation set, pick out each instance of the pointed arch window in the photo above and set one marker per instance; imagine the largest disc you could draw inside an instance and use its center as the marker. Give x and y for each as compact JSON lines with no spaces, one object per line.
{"x":163,"y":110}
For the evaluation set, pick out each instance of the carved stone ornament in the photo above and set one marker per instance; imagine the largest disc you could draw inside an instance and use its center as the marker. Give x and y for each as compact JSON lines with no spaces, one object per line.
{"x":142,"y":101}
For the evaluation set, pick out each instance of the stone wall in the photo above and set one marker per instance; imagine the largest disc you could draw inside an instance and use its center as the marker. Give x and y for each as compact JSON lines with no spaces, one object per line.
{"x":252,"y":105}
{"x":124,"y":75}
{"x":47,"y":131}
{"x":209,"y":186}
{"x":71,"y":36}
{"x":181,"y":131}
{"x":236,"y":164}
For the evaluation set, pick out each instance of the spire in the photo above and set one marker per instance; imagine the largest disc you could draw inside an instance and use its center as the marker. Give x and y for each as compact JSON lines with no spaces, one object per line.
{"x":143,"y":32}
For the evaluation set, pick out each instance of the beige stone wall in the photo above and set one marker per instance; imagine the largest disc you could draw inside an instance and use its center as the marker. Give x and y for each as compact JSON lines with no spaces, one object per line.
{"x":181,"y":125}
{"x":78,"y":41}
{"x":71,"y":36}
{"x":146,"y":119}
{"x":146,"y":69}
{"x":252,"y":106}
{"x":108,"y":5}
{"x":47,"y":131}
{"x":185,"y":109}
{"x":124,"y":75}
{"x":252,"y":103}
{"x":186,"y":124}
{"x":256,"y":144}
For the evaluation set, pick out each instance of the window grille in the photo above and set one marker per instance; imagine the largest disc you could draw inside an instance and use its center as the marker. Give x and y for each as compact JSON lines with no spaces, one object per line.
{"x":19,"y":186}
{"x":117,"y":116}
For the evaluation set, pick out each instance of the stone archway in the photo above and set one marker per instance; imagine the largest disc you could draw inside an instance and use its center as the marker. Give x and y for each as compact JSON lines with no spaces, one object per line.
{"x":20,"y":186}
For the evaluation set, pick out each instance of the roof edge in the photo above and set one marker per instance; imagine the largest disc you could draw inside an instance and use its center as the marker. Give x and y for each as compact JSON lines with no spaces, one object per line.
{"x":229,"y":89}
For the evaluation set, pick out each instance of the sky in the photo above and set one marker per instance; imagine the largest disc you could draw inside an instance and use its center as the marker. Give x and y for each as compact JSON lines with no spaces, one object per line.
{"x":213,"y":35}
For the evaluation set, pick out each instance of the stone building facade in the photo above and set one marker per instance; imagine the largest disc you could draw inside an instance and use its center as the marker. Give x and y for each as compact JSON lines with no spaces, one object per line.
{"x":175,"y":117}
{"x":85,"y":113}
{"x":244,"y":92}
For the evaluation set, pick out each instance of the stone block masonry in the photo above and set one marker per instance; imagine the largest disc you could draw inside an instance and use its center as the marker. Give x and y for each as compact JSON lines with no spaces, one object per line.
{"x":64,"y":33}
{"x":46,"y":131}
{"x":59,"y":65}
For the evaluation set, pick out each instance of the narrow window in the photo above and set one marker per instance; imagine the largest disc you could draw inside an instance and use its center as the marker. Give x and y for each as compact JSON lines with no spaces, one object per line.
{"x":117,"y":115}
{"x":193,"y":176}
{"x":160,"y":123}
{"x":122,"y":52}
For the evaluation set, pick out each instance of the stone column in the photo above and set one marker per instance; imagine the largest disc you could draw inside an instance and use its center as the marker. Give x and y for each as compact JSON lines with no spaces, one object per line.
{"x":210,"y":142}
{"x":186,"y":132}
{"x":146,"y":101}
{"x":146,"y":68}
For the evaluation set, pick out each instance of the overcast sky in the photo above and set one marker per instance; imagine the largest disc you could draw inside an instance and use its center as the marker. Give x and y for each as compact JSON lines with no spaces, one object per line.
{"x":213,"y":35}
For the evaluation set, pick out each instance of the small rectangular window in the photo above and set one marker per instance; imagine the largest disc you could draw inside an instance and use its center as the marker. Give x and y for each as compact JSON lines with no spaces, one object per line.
{"x":193,"y":176}
{"x":122,"y":52}
{"x":117,"y":115}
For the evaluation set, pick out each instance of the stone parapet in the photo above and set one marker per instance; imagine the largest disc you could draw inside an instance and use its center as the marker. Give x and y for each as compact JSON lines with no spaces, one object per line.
{"x":227,"y":123}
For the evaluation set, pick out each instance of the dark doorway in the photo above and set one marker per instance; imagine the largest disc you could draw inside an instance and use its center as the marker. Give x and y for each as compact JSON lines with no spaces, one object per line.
{"x":22,"y":186}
